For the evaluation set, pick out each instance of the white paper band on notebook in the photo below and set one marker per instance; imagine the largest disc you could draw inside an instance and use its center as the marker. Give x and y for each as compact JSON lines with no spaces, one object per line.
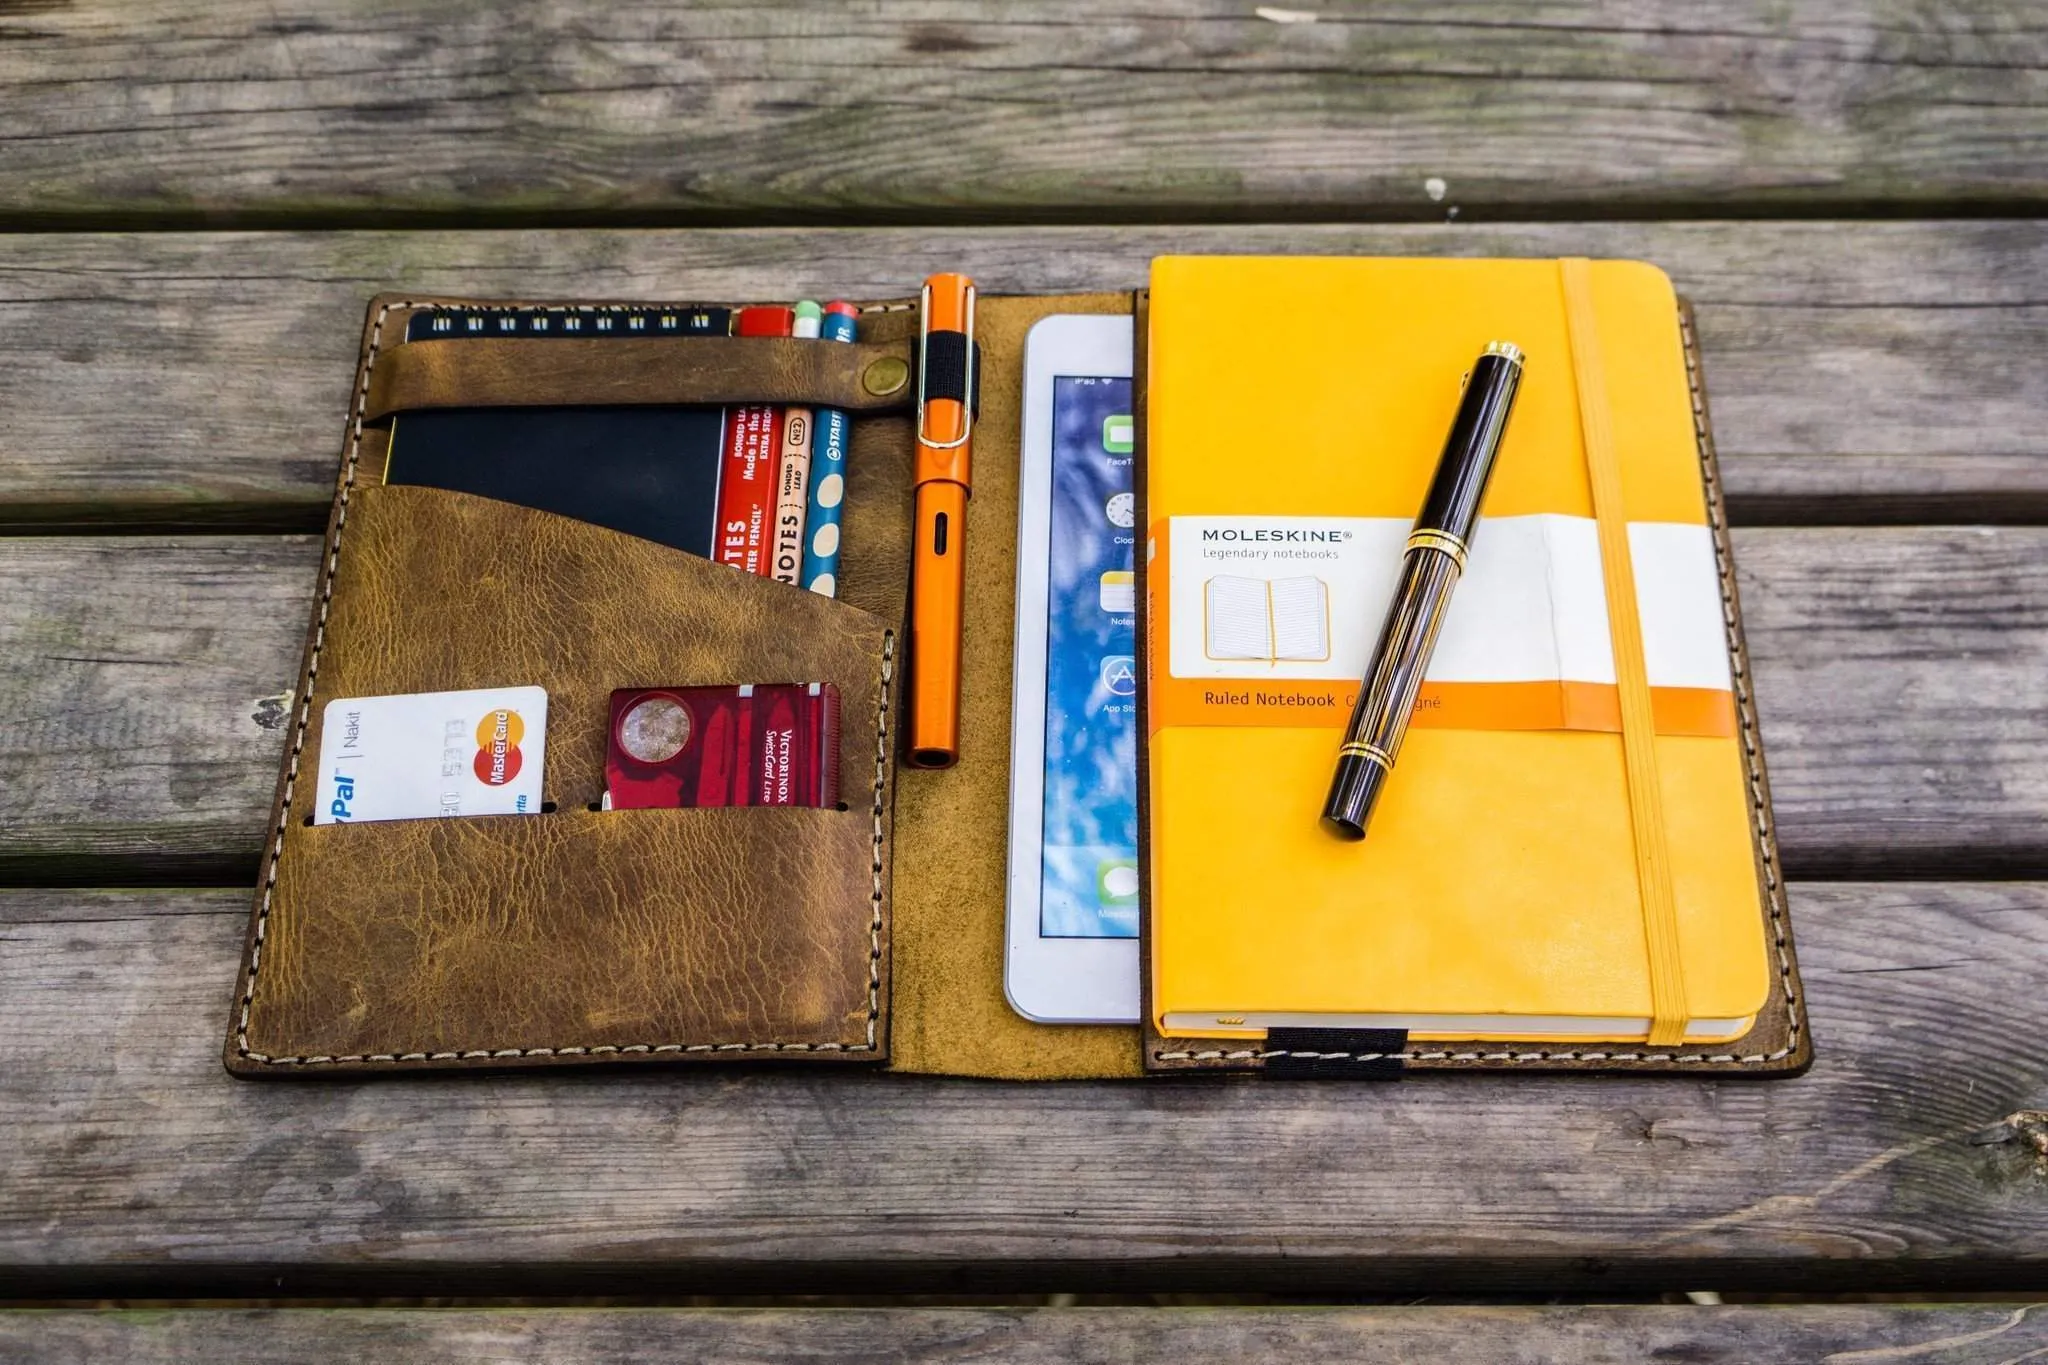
{"x":1291,"y":604}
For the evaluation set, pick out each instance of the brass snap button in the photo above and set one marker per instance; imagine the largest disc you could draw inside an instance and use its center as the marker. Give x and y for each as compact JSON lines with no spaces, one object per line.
{"x":886,"y":376}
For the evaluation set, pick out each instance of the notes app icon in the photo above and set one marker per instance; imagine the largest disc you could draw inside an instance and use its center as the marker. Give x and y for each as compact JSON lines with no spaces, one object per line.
{"x":1118,"y":592}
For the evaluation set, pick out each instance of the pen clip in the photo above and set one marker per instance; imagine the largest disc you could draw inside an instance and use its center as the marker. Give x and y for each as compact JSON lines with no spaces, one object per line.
{"x":924,"y":351}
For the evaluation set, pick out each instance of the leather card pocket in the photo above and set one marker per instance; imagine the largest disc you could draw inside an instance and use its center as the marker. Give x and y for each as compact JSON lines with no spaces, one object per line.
{"x":573,"y":934}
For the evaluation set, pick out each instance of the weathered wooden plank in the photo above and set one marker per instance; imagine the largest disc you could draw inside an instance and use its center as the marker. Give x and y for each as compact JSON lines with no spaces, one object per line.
{"x":1978,"y":1334}
{"x":99,"y":753}
{"x":1901,"y":675}
{"x":1902,"y":678}
{"x":782,"y":111}
{"x":1910,"y":1157}
{"x":1859,"y":371}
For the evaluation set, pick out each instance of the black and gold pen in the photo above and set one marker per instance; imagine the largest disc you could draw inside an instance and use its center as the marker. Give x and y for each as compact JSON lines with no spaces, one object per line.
{"x":1430,"y":569}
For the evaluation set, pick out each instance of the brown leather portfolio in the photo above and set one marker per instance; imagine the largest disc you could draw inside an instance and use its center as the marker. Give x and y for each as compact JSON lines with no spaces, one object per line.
{"x":871,"y":934}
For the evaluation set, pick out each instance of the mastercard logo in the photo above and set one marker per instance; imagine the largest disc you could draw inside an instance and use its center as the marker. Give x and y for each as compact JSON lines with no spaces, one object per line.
{"x":497,"y":747}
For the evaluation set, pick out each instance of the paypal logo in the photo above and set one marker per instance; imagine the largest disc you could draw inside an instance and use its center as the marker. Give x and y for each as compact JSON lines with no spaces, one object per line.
{"x":344,"y":792}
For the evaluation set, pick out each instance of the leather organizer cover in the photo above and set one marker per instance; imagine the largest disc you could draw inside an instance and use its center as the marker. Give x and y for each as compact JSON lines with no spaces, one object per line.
{"x":576,"y":934}
{"x":872,"y":934}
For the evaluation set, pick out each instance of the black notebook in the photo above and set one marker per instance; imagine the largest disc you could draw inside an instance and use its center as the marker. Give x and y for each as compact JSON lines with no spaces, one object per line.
{"x":647,"y":471}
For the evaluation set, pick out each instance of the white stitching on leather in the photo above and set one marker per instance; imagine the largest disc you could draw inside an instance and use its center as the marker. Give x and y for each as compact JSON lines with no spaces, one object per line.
{"x":347,"y":485}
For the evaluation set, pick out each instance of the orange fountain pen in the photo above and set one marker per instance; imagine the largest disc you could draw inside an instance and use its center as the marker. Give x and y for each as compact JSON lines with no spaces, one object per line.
{"x":946,"y":384}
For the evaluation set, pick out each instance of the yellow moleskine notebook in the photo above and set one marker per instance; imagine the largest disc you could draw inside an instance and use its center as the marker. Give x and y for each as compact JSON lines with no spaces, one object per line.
{"x":1498,"y":894}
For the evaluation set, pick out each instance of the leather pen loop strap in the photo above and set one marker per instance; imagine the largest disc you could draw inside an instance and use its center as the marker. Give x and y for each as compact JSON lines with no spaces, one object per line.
{"x":493,"y":372}
{"x":950,"y":369}
{"x":1669,"y":1012}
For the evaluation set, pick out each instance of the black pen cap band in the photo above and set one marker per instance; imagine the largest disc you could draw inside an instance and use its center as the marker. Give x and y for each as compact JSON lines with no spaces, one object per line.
{"x":1354,"y":791}
{"x":1466,"y":465}
{"x":946,"y":371}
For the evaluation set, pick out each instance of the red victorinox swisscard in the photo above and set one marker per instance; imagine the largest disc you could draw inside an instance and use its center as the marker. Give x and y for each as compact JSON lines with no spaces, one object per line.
{"x":773,"y":744}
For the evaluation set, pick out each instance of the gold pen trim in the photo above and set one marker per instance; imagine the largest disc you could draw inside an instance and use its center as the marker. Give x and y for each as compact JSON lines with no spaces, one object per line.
{"x":1442,"y":541}
{"x":1371,"y":753}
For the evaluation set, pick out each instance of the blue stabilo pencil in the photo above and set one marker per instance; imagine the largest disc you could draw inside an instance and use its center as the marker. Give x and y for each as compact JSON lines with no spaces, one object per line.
{"x":820,"y":572}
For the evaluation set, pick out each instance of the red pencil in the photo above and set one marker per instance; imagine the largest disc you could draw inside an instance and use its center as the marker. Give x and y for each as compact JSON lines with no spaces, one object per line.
{"x":753,"y":451}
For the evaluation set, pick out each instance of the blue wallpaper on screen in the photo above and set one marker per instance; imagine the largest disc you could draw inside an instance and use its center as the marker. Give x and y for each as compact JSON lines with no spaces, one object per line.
{"x":1091,"y":764}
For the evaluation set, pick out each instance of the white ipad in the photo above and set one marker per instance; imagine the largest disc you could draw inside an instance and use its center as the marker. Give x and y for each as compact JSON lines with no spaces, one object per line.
{"x":1073,"y":905}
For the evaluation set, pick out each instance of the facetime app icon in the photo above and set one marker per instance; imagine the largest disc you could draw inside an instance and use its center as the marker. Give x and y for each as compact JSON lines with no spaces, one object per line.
{"x":1119,"y":434}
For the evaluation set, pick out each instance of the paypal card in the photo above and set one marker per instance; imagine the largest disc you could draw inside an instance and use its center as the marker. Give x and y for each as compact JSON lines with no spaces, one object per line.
{"x":426,"y":754}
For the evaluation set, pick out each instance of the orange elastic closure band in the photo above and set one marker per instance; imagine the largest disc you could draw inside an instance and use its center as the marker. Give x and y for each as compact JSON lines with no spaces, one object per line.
{"x":1669,"y":1011}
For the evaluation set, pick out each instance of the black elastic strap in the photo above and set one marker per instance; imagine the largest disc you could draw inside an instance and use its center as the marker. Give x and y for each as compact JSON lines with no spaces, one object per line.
{"x":1357,"y":1054}
{"x":945,"y":369}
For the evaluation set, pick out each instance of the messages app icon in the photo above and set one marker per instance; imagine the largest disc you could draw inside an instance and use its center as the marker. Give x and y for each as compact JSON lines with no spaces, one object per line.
{"x":1116,"y":882}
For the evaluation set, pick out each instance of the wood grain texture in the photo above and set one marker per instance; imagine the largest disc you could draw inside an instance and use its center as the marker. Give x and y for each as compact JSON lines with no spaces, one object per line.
{"x":198,"y":111}
{"x":1906,"y":1158}
{"x":1901,"y":676}
{"x":1859,"y":371}
{"x":100,"y":695}
{"x":1987,"y":1334}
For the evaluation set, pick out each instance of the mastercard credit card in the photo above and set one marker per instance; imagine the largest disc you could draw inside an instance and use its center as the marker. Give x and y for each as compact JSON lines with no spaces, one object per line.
{"x":765,"y":744}
{"x":419,"y":755}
